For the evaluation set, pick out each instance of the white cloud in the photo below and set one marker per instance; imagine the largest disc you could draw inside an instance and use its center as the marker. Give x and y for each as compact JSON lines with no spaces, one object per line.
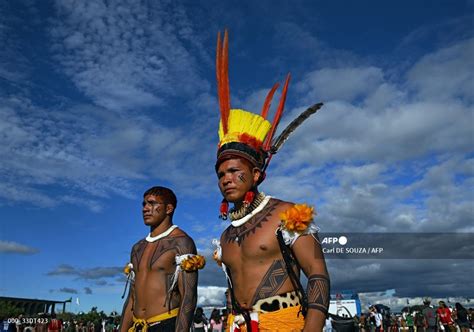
{"x":10,"y":247}
{"x":126,"y":56}
{"x":44,"y":148}
{"x":409,"y":277}
{"x":342,"y":132}
{"x":395,"y":159}
{"x":95,"y":274}
{"x":92,"y":154}
{"x":363,"y":173}
{"x":211,"y":296}
{"x":445,"y":74}
{"x":340,"y":83}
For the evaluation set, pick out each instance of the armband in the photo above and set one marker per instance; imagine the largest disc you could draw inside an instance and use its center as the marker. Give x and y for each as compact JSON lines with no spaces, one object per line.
{"x":217,"y":255}
{"x":218,"y":258}
{"x":317,"y":292}
{"x":130,"y":274}
{"x":188,"y":263}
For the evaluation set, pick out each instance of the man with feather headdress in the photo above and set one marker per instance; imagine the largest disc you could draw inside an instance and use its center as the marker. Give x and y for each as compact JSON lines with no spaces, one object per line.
{"x":269,"y":240}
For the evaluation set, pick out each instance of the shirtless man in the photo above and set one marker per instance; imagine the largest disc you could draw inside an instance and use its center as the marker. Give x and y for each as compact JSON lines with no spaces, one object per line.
{"x":162,"y":296}
{"x":263,"y":268}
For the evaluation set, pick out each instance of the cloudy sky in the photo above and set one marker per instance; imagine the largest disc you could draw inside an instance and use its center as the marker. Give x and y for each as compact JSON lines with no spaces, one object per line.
{"x":100,"y":100}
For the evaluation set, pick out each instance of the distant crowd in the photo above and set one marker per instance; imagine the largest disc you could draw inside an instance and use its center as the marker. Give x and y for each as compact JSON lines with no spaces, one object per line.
{"x":423,"y":318}
{"x":101,"y":323}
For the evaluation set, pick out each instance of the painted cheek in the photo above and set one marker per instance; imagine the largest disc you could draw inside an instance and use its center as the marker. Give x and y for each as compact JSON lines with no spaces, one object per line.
{"x":241,"y":177}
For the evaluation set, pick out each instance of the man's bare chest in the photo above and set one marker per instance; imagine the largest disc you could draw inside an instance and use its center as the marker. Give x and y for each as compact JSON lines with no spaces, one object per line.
{"x":155,"y":257}
{"x":249,"y":242}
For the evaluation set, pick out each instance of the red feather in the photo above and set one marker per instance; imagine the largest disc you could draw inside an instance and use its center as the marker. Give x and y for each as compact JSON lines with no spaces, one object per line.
{"x":268,"y":100}
{"x":225,"y":70}
{"x":278,"y":114}
{"x":222,"y":75}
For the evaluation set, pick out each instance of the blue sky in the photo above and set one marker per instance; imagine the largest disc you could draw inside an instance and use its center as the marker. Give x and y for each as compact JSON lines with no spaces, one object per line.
{"x":101,"y":100}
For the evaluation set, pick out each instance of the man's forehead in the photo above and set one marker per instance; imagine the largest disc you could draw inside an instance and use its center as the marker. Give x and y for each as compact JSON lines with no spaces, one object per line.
{"x":152,"y":197}
{"x":234,"y":162}
{"x":229,"y":164}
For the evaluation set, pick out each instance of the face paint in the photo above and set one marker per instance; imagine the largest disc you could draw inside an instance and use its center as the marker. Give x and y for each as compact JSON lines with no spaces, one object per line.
{"x":153,"y":214}
{"x":242,"y":178}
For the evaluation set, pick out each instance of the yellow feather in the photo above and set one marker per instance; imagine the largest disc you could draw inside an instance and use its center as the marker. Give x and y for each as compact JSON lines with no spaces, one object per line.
{"x":241,"y":122}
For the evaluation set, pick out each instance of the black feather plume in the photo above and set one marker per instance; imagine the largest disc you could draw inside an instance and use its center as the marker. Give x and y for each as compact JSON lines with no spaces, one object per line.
{"x":292,"y":126}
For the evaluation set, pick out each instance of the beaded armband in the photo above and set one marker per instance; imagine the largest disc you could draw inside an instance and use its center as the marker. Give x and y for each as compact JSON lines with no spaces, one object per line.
{"x":130,"y":274}
{"x":187,"y":263}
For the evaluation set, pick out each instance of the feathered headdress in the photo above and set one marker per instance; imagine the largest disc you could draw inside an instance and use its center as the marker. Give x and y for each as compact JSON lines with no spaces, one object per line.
{"x":244,"y":134}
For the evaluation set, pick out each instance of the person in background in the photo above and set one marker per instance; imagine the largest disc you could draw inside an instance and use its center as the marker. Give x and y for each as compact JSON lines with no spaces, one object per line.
{"x":377,"y":317}
{"x":419,"y":321}
{"x":429,"y":315}
{"x":471,"y":317}
{"x":216,"y":321}
{"x":55,"y":324}
{"x":362,"y":322}
{"x":199,"y":321}
{"x":328,"y":325}
{"x":225,"y":315}
{"x":462,"y":317}
{"x":444,"y":317}
{"x":409,"y":321}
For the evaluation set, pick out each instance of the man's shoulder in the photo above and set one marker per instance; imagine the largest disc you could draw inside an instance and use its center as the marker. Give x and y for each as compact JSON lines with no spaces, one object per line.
{"x":181,"y":236}
{"x":183,"y":242}
{"x":280,"y":205}
{"x":138,"y":244}
{"x":276,"y":200}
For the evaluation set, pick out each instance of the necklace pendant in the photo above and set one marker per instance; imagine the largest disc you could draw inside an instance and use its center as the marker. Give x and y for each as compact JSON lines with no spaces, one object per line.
{"x":237,"y":239}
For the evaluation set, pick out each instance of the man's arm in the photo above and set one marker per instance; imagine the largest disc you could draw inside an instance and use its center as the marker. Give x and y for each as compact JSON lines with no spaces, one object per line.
{"x":187,"y":286}
{"x":126,"y":320}
{"x":308,"y":253}
{"x":127,"y":312}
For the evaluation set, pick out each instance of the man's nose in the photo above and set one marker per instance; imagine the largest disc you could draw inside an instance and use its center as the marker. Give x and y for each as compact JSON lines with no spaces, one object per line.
{"x":227,"y":179}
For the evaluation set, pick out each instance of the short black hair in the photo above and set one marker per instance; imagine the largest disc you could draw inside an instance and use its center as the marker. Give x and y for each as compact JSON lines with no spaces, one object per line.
{"x":166,"y":194}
